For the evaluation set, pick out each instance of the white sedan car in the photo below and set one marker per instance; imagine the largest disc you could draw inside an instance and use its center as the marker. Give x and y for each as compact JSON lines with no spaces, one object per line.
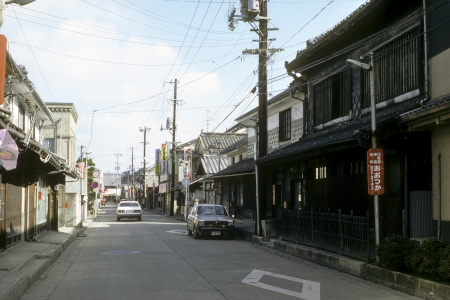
{"x":129,"y":210}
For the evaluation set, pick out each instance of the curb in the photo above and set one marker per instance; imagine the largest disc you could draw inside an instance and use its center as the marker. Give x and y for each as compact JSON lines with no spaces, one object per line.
{"x":408,"y":284}
{"x":419,"y":287}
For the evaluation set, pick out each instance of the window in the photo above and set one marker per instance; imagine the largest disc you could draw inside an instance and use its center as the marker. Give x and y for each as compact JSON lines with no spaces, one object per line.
{"x":21,"y":118}
{"x":285,"y":125}
{"x":332,"y":97}
{"x":50,"y":144}
{"x":321,"y":173}
{"x":397,"y":69}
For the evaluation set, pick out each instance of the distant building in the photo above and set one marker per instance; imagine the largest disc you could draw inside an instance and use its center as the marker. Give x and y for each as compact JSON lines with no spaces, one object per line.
{"x":112,"y":186}
{"x":59,"y":136}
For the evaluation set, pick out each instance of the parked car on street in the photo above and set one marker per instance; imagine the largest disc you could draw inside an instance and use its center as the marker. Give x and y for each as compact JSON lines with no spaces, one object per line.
{"x":129,"y":210}
{"x":210,"y":220}
{"x":103,"y":201}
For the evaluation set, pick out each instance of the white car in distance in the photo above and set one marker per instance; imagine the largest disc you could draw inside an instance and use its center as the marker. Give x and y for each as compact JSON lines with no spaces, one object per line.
{"x":129,"y":210}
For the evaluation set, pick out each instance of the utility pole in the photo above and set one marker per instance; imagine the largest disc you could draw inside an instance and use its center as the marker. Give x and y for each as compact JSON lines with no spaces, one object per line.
{"x":117,"y":155}
{"x":82,"y":176}
{"x":257,"y":10}
{"x":262,"y":82}
{"x":132,"y":174}
{"x":262,"y":114}
{"x":145,"y":171}
{"x":174,"y":152}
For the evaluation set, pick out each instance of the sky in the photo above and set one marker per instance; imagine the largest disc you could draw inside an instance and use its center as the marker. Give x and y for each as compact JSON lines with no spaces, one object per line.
{"x":118,"y":60}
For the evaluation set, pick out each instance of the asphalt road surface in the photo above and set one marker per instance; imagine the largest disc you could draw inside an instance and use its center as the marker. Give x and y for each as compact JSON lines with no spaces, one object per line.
{"x":156,"y":259}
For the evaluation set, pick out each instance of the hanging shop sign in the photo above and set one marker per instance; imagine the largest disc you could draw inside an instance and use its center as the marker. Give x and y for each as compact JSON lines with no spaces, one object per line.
{"x":158,"y":161}
{"x":82,"y":169}
{"x":164,"y":152}
{"x":3,"y":57}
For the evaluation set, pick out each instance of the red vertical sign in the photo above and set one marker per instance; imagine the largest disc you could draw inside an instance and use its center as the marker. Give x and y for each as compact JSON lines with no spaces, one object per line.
{"x":375,"y":171}
{"x":3,"y":42}
{"x":82,"y":169}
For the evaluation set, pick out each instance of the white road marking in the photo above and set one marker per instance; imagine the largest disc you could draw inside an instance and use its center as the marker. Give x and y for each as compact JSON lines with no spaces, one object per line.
{"x":178,"y":231}
{"x":310,"y":290}
{"x":120,"y":252}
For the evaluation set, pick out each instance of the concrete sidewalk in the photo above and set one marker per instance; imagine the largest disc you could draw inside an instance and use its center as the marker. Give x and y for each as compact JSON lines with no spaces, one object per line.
{"x":419,"y":287}
{"x":23,"y":264}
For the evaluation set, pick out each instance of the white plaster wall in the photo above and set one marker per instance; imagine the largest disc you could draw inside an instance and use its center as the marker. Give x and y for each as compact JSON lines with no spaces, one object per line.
{"x":272,"y":121}
{"x":297,"y":111}
{"x":440,"y":74}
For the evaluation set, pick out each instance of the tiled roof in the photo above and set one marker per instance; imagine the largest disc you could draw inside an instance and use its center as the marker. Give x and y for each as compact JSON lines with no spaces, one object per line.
{"x":217,"y":141}
{"x":210,"y":163}
{"x":236,"y":146}
{"x":246,"y":166}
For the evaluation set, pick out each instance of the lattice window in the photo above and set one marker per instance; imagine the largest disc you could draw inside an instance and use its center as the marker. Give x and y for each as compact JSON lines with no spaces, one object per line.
{"x":333,"y":97}
{"x":285,"y":125}
{"x":397,"y":69}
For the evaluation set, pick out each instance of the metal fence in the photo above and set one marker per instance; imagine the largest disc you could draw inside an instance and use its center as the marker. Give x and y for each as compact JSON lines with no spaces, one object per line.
{"x":335,"y":232}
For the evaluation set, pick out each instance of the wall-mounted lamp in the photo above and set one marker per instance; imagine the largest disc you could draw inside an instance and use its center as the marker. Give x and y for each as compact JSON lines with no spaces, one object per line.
{"x":20,"y":2}
{"x":357,"y":64}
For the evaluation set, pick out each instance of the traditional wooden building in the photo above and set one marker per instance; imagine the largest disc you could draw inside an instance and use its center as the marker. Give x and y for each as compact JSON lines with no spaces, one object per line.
{"x":32,"y":178}
{"x":391,"y":53}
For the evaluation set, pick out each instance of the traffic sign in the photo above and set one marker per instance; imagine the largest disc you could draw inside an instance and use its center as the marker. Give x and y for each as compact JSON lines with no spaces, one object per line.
{"x":95,"y":184}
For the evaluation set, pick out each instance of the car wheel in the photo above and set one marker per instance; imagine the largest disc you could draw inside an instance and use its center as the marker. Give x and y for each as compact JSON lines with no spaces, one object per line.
{"x":195,"y":233}
{"x":189,"y":231}
{"x":139,"y":218}
{"x":118,"y":219}
{"x":230,"y":235}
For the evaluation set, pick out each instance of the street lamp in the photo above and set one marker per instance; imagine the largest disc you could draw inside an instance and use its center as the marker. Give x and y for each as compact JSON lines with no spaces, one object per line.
{"x":20,"y":2}
{"x":3,"y":3}
{"x":369,"y":67}
{"x":145,"y":129}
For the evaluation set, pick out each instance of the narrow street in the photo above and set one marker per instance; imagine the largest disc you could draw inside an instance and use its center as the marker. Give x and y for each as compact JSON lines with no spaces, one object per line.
{"x":156,"y":259}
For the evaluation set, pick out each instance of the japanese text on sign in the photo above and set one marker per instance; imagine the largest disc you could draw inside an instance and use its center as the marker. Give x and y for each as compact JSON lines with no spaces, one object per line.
{"x":164,"y":152}
{"x":82,"y":169}
{"x":158,"y":161}
{"x":375,"y":171}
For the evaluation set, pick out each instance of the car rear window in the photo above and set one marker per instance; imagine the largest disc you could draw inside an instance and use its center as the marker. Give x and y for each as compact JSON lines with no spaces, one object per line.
{"x":212,"y":210}
{"x":129,"y":204}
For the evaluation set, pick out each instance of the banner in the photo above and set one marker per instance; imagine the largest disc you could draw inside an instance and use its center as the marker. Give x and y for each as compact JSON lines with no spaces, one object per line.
{"x":8,"y":150}
{"x":164,"y":152}
{"x":158,"y":161}
{"x":3,"y":55}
